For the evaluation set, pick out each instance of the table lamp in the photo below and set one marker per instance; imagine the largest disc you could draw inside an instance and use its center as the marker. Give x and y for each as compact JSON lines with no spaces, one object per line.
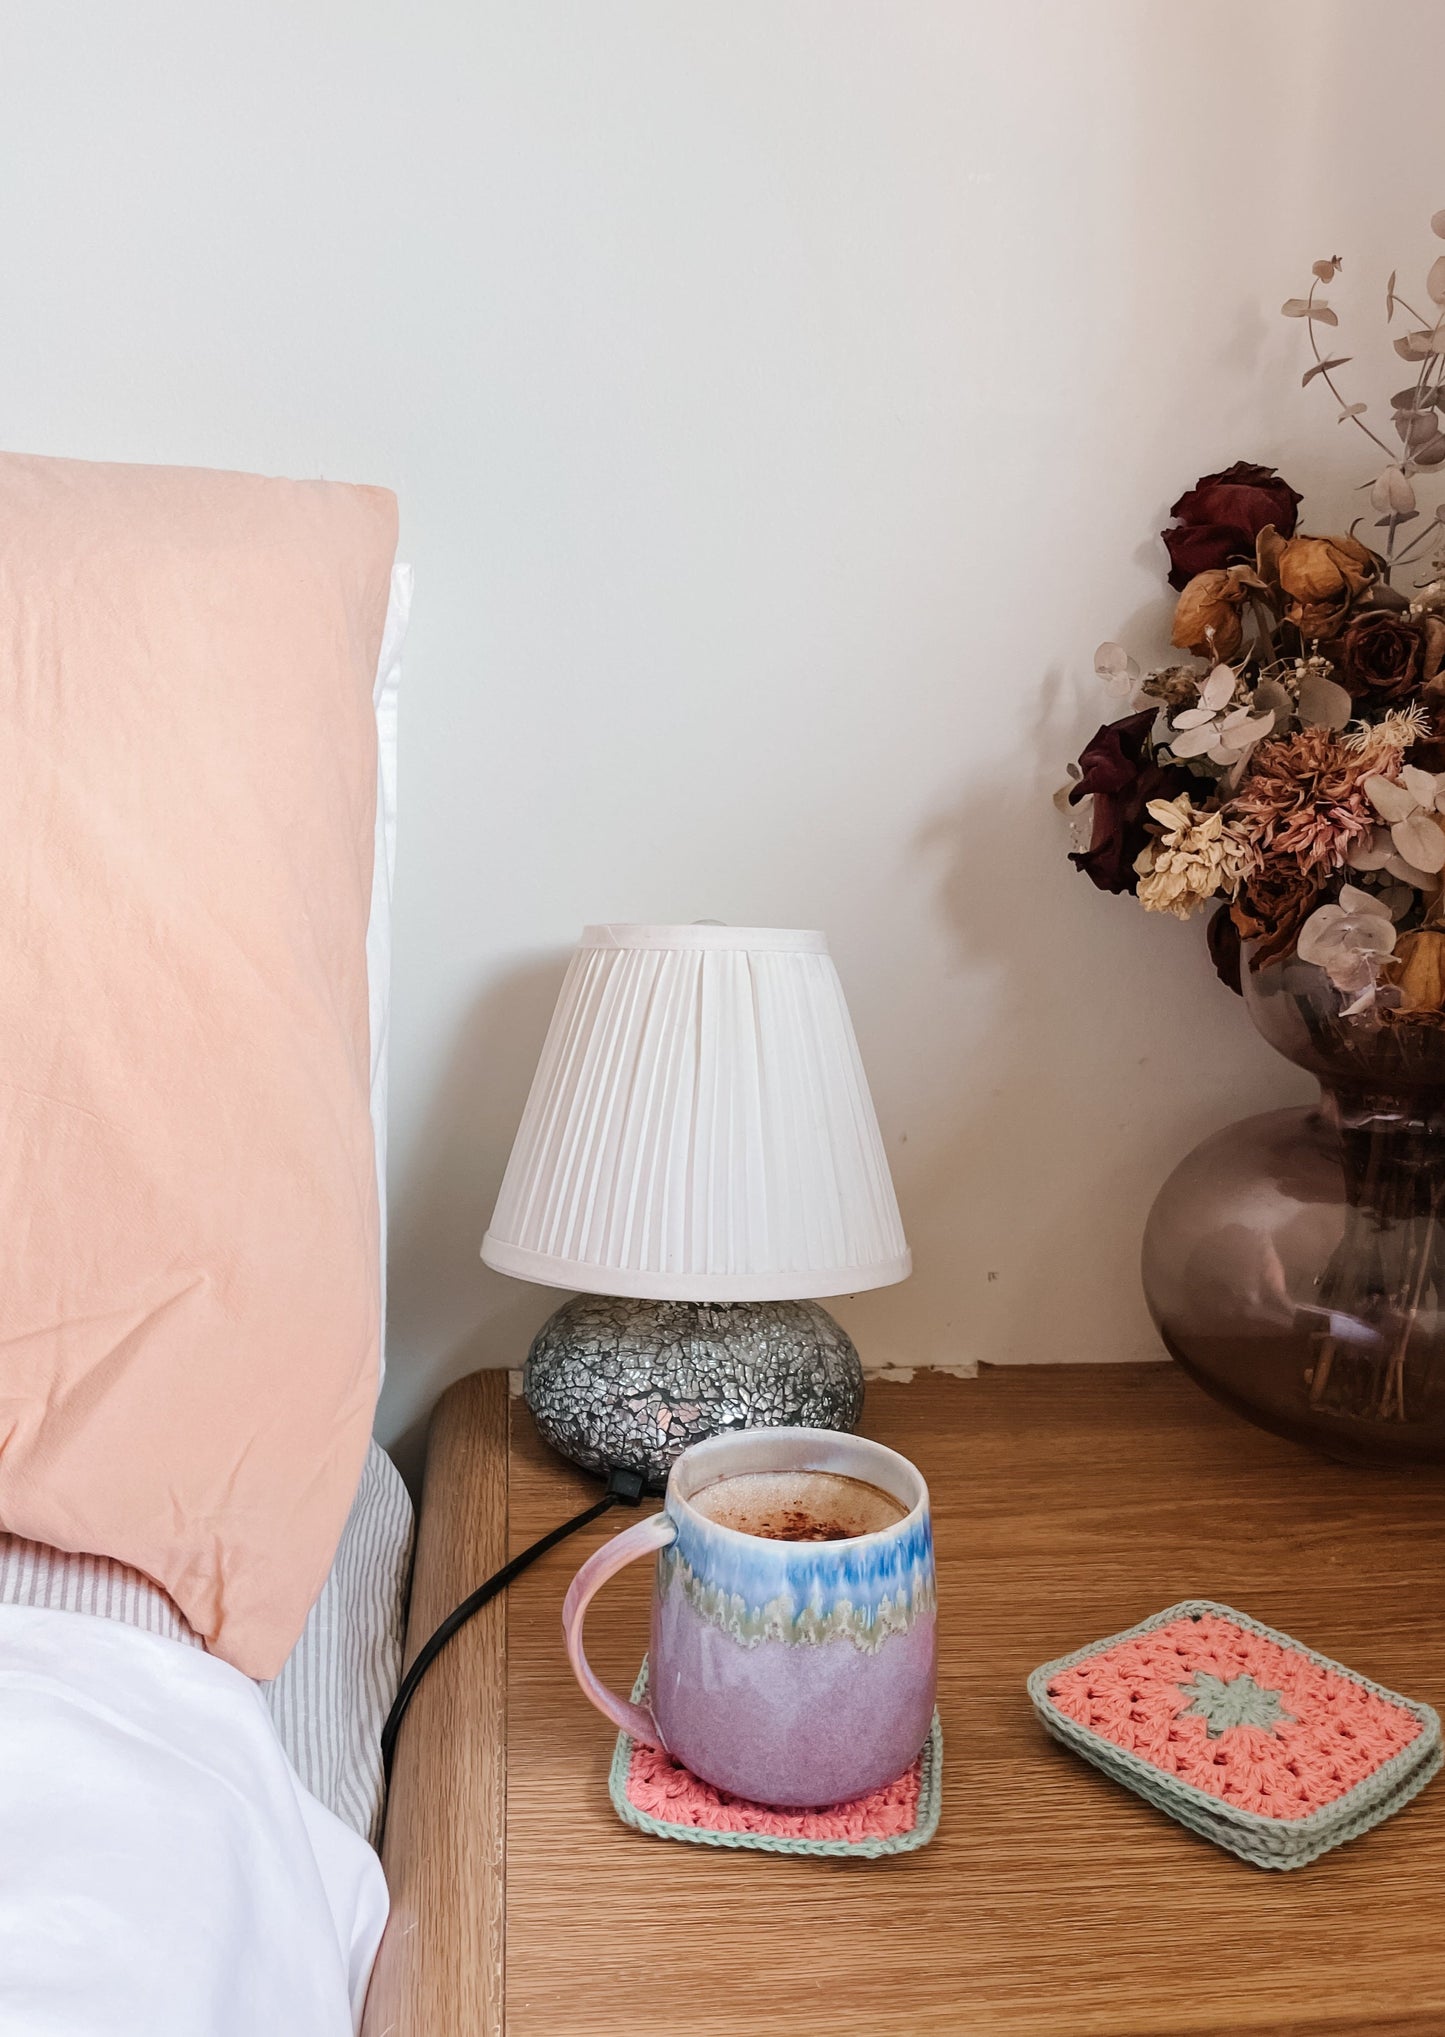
{"x":699,"y":1156}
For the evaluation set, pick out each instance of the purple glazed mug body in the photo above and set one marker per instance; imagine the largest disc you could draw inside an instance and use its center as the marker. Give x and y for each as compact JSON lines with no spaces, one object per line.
{"x":790,"y":1673}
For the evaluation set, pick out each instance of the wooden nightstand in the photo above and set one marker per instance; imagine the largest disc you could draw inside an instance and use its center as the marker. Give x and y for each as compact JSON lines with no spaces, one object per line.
{"x":1068,"y":1502}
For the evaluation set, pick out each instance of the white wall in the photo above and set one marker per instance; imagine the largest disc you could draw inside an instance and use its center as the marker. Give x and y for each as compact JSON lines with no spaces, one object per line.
{"x":782,"y":395}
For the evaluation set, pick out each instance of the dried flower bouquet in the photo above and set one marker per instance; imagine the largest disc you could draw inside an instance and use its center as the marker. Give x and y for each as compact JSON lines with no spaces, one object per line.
{"x":1288,"y":776}
{"x":1299,"y":763}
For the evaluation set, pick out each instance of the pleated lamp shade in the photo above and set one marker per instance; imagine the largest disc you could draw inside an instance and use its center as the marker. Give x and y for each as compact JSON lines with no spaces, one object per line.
{"x":700,"y":1127}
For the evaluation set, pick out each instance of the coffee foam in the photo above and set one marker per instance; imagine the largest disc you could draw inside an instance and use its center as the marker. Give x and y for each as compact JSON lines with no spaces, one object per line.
{"x":798,"y":1506}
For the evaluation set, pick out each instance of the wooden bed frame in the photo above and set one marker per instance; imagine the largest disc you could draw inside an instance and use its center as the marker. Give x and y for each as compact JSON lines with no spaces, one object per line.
{"x":440,"y":1969}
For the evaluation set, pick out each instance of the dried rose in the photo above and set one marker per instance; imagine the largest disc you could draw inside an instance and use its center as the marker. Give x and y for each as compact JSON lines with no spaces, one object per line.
{"x":1274,"y":902}
{"x":1121,"y":777}
{"x":1222,"y":936}
{"x":1319,"y":578}
{"x":1222,"y":515}
{"x":1207,"y":620}
{"x":1385,"y":656}
{"x":1419,"y":970}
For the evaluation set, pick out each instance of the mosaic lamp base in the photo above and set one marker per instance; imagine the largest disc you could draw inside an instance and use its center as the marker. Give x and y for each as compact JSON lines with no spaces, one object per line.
{"x":633,"y":1383}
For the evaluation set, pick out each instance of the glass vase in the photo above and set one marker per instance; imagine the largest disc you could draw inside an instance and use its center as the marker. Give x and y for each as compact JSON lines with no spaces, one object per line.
{"x":1295,"y":1262}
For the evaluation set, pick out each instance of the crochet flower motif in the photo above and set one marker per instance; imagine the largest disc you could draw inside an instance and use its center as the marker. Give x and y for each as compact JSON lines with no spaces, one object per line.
{"x":1223,"y":1702}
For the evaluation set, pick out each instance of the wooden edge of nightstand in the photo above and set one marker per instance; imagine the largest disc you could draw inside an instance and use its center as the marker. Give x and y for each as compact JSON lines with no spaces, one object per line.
{"x":441,"y":1968}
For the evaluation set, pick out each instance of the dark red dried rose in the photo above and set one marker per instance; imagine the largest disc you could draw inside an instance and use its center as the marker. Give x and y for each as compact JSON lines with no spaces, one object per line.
{"x":1222,"y":515}
{"x":1222,"y":936}
{"x":1121,"y":777}
{"x":1385,"y":656}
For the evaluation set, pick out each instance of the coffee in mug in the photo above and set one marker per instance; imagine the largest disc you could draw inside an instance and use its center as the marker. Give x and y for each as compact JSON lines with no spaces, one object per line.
{"x":792,"y":1658}
{"x":798,"y":1506}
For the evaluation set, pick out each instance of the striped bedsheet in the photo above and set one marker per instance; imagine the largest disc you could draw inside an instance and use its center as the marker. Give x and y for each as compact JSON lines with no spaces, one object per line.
{"x":330,"y":1701}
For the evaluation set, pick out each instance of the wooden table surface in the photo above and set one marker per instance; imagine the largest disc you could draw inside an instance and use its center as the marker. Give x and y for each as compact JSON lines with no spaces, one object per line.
{"x":1068,"y":1503}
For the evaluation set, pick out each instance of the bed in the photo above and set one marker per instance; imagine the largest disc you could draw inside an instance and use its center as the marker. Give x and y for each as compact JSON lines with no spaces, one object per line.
{"x":330,"y":1701}
{"x":204,"y":1555}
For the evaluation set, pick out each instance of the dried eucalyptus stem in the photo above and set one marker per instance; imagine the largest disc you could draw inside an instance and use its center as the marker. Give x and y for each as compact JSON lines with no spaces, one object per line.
{"x":1416,"y":411}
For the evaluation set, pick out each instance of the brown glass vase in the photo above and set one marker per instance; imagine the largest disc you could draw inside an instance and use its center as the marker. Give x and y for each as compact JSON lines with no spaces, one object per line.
{"x":1295,"y":1262}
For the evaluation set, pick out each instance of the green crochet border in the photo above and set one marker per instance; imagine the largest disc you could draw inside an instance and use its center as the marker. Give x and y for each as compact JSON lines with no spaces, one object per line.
{"x":1277,"y":1843}
{"x":930,"y":1796}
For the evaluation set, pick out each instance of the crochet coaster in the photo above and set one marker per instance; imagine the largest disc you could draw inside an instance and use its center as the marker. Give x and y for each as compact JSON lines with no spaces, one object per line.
{"x":1240,"y":1733}
{"x":651,"y":1793}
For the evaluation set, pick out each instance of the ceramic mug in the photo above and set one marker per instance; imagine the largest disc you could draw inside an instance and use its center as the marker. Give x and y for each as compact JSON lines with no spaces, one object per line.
{"x":793,"y":1673}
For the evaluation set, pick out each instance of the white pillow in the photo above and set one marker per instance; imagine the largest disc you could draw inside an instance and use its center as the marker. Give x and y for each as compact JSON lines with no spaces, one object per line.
{"x":378,"y":929}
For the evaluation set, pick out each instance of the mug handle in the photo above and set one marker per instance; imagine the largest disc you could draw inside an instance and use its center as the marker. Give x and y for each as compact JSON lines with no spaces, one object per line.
{"x":639,"y":1540}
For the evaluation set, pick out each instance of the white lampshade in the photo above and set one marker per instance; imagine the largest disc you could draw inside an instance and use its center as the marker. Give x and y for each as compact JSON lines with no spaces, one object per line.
{"x":699,"y":1127}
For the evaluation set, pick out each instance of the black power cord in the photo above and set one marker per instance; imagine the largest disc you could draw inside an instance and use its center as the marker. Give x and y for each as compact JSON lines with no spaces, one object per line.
{"x":624,"y":1488}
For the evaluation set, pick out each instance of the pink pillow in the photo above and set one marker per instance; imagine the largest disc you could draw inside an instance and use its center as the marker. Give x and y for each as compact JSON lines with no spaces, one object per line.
{"x":189,"y":1309}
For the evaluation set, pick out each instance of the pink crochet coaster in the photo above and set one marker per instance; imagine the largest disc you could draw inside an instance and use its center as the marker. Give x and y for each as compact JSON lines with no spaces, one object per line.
{"x":653,"y":1794}
{"x":1240,"y":1732}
